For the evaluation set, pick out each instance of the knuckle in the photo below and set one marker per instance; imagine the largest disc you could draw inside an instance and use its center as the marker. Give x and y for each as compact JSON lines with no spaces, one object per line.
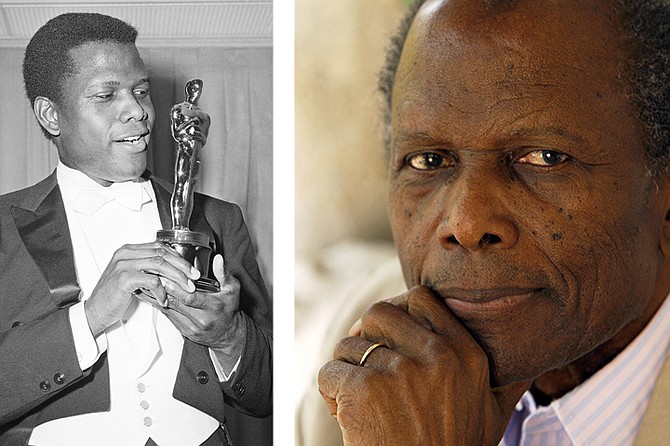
{"x":123,"y":248}
{"x":401,"y":366}
{"x":154,"y":281}
{"x":372,"y":314}
{"x":124,"y":275}
{"x":205,"y":325}
{"x":344,"y":343}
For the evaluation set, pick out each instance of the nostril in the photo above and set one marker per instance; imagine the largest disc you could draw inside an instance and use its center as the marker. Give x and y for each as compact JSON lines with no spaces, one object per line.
{"x":452,"y":239}
{"x":489,"y":239}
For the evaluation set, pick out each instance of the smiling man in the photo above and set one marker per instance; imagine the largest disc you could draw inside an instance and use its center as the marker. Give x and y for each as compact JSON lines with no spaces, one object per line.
{"x":103,"y":337}
{"x":529,"y":195}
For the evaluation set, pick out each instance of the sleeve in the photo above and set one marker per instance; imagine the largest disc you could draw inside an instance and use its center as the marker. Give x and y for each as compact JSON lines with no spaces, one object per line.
{"x":88,"y":348}
{"x":221,"y":373}
{"x":249,"y":389}
{"x":39,"y":360}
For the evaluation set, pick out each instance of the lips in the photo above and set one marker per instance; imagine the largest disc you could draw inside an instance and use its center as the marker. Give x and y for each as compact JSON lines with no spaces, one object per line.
{"x":462,"y":301}
{"x":135,"y":138}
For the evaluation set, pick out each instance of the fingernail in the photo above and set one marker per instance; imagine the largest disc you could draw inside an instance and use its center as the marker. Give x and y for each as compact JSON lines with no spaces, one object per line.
{"x":195,"y":272}
{"x":191,"y":286}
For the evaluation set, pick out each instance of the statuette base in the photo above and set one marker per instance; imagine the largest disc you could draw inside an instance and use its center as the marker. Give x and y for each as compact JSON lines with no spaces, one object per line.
{"x":194,"y":248}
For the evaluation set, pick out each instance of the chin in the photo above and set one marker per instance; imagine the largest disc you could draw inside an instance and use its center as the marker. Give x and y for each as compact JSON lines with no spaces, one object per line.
{"x":525,"y":362}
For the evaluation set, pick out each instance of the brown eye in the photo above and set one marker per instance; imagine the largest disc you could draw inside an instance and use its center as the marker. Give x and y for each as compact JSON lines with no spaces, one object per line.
{"x":427,"y":161}
{"x":543,"y":158}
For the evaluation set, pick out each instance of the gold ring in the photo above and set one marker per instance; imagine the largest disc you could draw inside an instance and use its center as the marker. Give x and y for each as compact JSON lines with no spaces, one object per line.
{"x":367,"y":353}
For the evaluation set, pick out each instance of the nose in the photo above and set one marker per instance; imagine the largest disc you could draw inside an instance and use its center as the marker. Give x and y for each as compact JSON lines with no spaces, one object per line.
{"x":476,"y":217}
{"x":133,"y":109}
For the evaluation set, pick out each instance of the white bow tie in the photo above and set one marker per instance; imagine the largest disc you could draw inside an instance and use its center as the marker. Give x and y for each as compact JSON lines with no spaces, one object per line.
{"x":129,"y":194}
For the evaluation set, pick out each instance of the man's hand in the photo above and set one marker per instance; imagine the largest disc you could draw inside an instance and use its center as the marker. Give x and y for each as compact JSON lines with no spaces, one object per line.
{"x":210,"y":319}
{"x":136,"y":271}
{"x":428,"y":384}
{"x":189,"y":123}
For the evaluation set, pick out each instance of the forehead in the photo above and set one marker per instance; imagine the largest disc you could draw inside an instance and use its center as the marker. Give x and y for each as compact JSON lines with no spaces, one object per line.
{"x":501,"y":61}
{"x":95,"y":60}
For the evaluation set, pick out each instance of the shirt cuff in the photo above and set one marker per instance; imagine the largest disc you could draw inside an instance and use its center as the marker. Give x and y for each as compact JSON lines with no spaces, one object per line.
{"x":223,"y":377}
{"x":87,"y":347}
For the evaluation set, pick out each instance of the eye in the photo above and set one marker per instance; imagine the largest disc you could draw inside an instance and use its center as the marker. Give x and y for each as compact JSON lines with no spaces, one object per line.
{"x":104,"y":96}
{"x":544,"y":158}
{"x":428,"y":161}
{"x":142,"y":93}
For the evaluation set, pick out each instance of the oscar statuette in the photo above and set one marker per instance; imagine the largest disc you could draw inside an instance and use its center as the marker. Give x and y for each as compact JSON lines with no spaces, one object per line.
{"x":189,"y":126}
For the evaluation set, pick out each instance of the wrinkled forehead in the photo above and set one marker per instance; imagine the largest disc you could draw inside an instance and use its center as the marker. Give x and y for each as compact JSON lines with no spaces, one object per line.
{"x":536,"y":35}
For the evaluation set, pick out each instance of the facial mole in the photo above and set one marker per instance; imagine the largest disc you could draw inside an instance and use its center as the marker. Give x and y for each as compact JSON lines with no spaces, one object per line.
{"x":599,"y":95}
{"x":556,"y":236}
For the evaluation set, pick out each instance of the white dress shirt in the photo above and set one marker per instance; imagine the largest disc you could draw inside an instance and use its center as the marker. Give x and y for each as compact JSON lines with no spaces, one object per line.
{"x":144,"y":348}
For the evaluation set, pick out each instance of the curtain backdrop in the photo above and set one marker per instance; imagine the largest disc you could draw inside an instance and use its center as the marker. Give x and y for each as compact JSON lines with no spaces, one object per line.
{"x":236,"y":162}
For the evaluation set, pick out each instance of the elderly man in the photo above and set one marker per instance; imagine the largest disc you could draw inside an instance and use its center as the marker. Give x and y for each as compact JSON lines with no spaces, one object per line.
{"x":103,"y":337}
{"x":530,"y":203}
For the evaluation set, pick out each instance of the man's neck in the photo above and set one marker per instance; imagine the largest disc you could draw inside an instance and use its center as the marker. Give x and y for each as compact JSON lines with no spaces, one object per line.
{"x":556,"y":383}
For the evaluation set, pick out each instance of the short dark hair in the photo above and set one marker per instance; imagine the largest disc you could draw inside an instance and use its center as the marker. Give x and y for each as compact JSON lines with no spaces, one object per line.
{"x":647,"y":24}
{"x":47,"y":62}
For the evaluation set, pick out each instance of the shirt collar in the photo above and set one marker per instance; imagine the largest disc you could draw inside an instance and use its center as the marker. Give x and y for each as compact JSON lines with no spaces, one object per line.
{"x":86,"y":196}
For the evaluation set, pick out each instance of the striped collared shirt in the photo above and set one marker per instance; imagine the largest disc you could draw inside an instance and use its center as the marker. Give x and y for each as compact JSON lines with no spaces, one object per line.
{"x":608,"y":408}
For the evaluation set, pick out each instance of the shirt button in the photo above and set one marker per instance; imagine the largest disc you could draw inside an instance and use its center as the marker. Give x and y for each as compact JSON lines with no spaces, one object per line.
{"x":141,"y":387}
{"x":202,"y":377}
{"x":17,"y":324}
{"x":519,"y":406}
{"x":144,"y":405}
{"x":59,"y":378}
{"x":147,"y":421}
{"x":45,"y":386}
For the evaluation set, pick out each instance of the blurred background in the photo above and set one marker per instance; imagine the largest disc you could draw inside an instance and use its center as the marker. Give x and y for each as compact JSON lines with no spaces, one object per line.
{"x":228,"y":44}
{"x":340,"y":165}
{"x":341,"y":228}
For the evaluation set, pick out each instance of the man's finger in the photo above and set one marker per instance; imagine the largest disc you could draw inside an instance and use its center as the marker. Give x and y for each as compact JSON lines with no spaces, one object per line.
{"x":159,"y":265}
{"x":218,"y":268}
{"x":334,"y":377}
{"x":354,"y":350}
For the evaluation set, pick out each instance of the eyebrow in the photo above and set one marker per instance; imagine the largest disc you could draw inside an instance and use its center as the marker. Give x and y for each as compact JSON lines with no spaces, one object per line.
{"x":427,"y":139}
{"x":144,"y":80}
{"x":542,"y":131}
{"x":423,"y":138}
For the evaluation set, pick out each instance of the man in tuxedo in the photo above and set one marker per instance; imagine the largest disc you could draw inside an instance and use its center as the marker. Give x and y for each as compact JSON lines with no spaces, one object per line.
{"x":103,"y":337}
{"x":529,"y":197}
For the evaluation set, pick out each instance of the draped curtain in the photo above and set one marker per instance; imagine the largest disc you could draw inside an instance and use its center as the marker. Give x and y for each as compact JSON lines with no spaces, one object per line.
{"x":236,"y":163}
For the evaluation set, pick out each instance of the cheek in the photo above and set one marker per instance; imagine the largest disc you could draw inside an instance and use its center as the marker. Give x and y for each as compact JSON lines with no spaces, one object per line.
{"x":151,"y":113}
{"x":411,"y":216}
{"x":604,"y":254}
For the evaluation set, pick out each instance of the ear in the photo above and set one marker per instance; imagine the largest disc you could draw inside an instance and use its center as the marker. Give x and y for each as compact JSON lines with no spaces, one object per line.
{"x":665,"y":234}
{"x":47,"y":115}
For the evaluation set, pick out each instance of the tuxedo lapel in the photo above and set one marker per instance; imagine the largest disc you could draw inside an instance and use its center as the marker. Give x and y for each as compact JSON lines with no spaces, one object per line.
{"x":655,"y":428}
{"x":162,"y":202}
{"x":44,"y":232}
